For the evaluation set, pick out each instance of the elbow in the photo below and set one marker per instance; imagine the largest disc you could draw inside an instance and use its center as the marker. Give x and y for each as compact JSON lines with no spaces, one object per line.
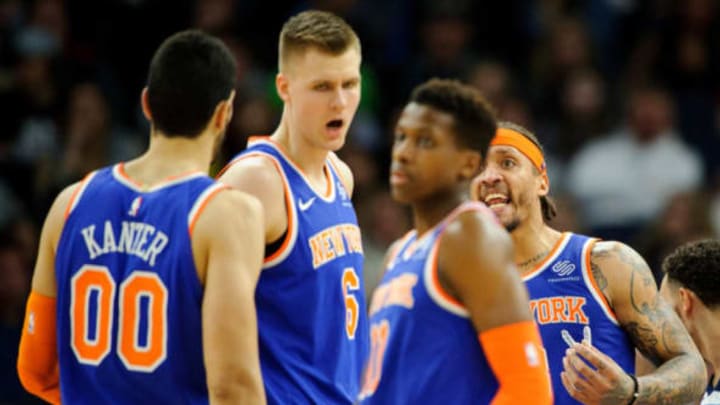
{"x":236,"y":390}
{"x":42,"y":385}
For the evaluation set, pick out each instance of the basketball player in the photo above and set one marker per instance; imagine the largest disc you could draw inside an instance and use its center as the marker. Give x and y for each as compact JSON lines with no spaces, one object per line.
{"x":692,"y":286}
{"x":586,"y":290}
{"x":449,"y":321}
{"x":311,"y":308}
{"x":143,"y":286}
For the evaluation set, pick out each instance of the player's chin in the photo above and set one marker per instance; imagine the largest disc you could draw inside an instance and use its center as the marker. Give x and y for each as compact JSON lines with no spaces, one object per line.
{"x":400,"y":194}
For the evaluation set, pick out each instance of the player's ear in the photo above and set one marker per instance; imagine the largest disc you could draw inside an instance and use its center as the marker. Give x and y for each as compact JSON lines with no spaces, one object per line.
{"x":470,"y":164}
{"x":145,"y":104}
{"x":688,"y":302}
{"x":223,"y":112}
{"x":544,"y":186}
{"x":281,"y":85}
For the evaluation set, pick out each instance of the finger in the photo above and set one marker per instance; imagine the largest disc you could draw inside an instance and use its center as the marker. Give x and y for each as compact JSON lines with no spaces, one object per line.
{"x":576,"y":364}
{"x":578,"y":383}
{"x":567,"y":338}
{"x":602,"y":363}
{"x":587,"y":335}
{"x":571,"y":389}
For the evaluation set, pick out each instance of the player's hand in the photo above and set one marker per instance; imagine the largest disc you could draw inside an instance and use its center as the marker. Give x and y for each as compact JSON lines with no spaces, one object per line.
{"x":593,"y":378}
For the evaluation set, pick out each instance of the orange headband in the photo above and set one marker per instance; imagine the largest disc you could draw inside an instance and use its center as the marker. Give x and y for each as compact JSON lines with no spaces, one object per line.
{"x":509,"y":137}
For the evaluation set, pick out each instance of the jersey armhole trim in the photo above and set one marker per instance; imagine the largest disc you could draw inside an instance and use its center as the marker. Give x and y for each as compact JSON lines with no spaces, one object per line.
{"x":591,"y":283}
{"x":431,"y":272}
{"x":77,"y":194}
{"x":200,"y":204}
{"x":334,"y":162}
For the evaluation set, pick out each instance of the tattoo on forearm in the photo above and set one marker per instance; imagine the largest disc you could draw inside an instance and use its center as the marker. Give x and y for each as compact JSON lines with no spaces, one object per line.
{"x":599,"y":277}
{"x":661,"y":338}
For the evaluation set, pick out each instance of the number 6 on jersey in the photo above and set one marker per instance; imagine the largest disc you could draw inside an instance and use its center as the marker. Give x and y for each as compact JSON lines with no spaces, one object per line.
{"x":350,"y":282}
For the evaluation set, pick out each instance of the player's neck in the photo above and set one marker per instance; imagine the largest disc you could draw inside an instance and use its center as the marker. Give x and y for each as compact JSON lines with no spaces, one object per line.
{"x":709,"y":336}
{"x":169,"y":157}
{"x":429,"y":213}
{"x":310,"y":160}
{"x":533,"y":243}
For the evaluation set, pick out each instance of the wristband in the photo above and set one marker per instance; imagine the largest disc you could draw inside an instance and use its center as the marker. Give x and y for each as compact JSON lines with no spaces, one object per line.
{"x":636,"y":389}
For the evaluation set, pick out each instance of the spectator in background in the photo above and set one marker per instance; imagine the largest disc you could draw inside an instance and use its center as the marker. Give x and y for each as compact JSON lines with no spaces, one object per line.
{"x":685,"y":218}
{"x":624,"y":179}
{"x":92,"y":140}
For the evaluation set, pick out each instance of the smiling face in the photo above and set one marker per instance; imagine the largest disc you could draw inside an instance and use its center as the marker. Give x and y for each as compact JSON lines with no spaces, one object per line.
{"x":511,"y":186}
{"x":321,"y":92}
{"x":426,"y":161}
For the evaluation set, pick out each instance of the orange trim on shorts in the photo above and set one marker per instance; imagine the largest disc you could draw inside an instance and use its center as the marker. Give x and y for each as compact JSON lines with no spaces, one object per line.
{"x":593,"y":283}
{"x":203,"y":203}
{"x":509,"y":137}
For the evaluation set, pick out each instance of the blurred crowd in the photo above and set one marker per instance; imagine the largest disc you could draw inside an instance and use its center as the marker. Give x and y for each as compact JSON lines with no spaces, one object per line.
{"x":624,"y":95}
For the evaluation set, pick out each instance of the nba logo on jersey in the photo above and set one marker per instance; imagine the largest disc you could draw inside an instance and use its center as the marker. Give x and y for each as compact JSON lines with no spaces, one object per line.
{"x":135,"y":206}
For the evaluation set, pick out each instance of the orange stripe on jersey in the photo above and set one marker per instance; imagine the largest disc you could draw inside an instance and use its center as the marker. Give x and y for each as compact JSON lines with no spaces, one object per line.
{"x":121,"y":171}
{"x":281,"y":150}
{"x":434,"y":279}
{"x":290,"y":212}
{"x":200,"y":204}
{"x":332,"y":158}
{"x":550,"y":256}
{"x":593,"y":283}
{"x":77,"y":193}
{"x":289,"y":206}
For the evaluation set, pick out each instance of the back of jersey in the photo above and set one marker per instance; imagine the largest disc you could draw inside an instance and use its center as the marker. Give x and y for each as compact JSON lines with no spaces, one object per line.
{"x":129,"y":298}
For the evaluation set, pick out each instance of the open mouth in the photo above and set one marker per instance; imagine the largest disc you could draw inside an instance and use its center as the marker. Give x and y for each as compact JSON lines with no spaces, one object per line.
{"x":335,"y":124}
{"x":496,"y":200}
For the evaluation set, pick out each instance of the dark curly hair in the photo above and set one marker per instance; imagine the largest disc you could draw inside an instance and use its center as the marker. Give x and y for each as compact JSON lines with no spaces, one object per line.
{"x":473,"y":117}
{"x":696,"y":266}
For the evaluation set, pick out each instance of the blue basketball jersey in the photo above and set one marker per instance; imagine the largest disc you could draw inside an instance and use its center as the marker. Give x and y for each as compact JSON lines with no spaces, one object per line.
{"x":712,"y":394}
{"x":564,"y":299}
{"x":425,"y":349}
{"x":128,"y":294}
{"x":311,"y":308}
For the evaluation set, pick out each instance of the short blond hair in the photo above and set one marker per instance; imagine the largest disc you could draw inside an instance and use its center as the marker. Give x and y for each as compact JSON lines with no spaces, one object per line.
{"x":321,"y":30}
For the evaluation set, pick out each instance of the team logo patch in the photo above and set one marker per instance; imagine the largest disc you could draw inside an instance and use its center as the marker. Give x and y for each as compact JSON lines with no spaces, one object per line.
{"x":563,"y":268}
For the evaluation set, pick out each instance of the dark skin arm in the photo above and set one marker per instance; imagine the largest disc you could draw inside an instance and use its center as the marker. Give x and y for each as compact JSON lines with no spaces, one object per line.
{"x":627,"y":283}
{"x":466,"y":269}
{"x":475,"y":264}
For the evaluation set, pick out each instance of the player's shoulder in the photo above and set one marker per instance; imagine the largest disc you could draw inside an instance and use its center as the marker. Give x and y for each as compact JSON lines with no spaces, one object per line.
{"x":257,"y":166}
{"x":259,"y":175}
{"x":614,"y":252}
{"x":473,"y":228}
{"x":474,"y":219}
{"x":231,"y":203}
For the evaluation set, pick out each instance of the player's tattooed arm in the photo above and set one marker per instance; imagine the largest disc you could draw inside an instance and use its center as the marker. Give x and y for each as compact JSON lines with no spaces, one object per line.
{"x":628,"y":284}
